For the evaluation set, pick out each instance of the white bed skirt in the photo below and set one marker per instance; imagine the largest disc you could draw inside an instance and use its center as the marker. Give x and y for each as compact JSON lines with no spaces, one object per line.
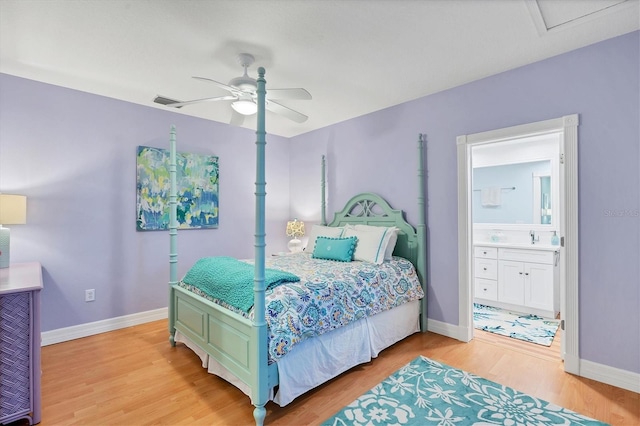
{"x":317,"y":360}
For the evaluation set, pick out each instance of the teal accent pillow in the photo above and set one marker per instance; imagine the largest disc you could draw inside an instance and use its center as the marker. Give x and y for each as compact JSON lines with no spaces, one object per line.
{"x":330,"y":248}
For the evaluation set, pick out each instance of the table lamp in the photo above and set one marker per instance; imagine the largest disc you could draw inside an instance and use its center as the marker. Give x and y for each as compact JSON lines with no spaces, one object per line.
{"x":13,"y":211}
{"x":295,"y":229}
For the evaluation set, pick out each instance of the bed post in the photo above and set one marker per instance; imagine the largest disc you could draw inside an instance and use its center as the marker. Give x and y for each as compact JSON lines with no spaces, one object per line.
{"x":421,"y":230}
{"x":260,"y":392}
{"x":173,"y":231}
{"x":323,"y":202}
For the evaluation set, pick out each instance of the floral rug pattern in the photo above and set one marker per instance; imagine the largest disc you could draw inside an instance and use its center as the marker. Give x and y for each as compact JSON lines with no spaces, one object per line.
{"x":527,"y":327}
{"x":426,"y":392}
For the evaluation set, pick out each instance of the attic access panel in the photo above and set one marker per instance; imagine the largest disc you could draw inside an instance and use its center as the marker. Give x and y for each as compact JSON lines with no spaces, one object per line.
{"x":553,"y":14}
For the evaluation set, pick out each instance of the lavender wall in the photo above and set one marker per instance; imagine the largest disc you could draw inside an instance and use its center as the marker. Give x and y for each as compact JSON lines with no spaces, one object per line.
{"x":74,"y":155}
{"x":377,"y":153}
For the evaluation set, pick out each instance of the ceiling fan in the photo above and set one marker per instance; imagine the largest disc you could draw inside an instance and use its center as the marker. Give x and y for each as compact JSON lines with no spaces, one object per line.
{"x":243,"y":94}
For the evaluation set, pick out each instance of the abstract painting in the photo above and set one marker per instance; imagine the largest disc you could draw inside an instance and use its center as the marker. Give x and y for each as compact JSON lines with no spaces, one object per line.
{"x":197,"y":184}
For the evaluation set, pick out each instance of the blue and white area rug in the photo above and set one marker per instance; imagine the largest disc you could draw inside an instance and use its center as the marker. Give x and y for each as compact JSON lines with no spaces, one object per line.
{"x":426,"y":392}
{"x":527,"y":327}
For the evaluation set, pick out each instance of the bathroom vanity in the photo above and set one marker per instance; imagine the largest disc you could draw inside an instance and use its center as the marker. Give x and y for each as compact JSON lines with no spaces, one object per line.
{"x":523,"y":278}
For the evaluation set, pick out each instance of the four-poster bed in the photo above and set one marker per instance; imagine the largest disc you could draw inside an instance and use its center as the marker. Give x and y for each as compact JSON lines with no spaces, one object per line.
{"x":377,"y":301}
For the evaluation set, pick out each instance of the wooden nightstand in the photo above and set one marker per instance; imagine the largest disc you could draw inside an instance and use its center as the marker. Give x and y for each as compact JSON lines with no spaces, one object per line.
{"x":20,"y":286}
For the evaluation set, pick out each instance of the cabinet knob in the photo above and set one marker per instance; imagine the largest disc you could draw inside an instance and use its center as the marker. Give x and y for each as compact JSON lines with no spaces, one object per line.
{"x":526,"y":273}
{"x":484,"y":269}
{"x":484,"y":252}
{"x":520,"y":273}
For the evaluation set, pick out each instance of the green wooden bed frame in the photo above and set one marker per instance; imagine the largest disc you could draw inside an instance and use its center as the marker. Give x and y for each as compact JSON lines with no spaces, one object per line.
{"x":240,"y":344}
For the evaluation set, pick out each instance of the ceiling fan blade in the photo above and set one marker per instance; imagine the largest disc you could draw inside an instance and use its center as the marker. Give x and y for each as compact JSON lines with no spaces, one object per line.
{"x":297,"y":93}
{"x":178,"y":104}
{"x":217,"y":83}
{"x":286,"y":112}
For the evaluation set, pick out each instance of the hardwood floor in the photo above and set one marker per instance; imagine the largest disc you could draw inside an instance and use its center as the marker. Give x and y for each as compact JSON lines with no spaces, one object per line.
{"x":134,"y":377}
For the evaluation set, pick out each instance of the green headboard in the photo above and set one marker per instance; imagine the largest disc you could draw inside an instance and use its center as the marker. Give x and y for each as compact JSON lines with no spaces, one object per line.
{"x":372,"y":209}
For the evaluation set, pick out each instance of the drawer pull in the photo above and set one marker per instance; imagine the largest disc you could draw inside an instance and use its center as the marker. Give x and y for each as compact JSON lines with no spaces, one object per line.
{"x":484,"y":269}
{"x":484,"y":252}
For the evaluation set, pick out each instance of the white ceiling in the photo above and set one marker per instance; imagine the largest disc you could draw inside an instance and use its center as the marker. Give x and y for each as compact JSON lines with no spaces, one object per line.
{"x":354,"y":56}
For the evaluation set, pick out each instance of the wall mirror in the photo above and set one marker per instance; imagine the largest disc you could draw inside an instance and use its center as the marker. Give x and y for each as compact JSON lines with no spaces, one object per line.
{"x":515,"y":182}
{"x":517,"y":193}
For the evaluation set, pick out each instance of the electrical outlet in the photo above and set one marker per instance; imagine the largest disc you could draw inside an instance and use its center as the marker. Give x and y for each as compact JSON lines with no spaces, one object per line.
{"x":90,"y":295}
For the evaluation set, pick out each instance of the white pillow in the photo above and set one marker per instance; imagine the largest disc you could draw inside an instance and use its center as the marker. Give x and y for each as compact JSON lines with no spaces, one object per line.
{"x":391,"y":245}
{"x":371,"y":242}
{"x":322,"y":231}
{"x":391,"y":238}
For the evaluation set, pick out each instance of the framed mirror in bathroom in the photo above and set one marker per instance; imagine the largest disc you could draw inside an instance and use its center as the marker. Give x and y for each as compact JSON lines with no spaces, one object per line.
{"x":517,"y":193}
{"x":515,"y":184}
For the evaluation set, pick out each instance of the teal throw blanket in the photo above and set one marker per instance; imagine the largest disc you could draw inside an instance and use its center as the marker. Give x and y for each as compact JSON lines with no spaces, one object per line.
{"x":231,"y":280}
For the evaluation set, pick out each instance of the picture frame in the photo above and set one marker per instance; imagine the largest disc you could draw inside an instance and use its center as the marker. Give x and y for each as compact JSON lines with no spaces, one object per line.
{"x":197,"y":184}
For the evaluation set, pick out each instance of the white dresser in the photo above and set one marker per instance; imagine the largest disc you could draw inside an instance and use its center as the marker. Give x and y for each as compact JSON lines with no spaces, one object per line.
{"x":20,"y":286}
{"x":521,"y":279}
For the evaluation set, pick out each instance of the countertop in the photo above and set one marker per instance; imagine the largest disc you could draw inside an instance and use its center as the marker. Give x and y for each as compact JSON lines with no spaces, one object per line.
{"x":505,"y":244}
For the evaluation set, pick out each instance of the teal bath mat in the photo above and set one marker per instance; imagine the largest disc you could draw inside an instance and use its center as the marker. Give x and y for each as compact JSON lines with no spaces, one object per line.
{"x":527,"y":327}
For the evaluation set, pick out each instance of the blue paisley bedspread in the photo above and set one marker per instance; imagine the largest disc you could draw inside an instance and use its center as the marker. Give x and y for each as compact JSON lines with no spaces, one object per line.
{"x":329,"y":295}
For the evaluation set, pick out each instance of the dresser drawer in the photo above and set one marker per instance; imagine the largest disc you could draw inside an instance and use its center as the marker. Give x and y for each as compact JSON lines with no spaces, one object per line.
{"x":20,"y":370}
{"x":486,"y":289}
{"x":485,"y":252}
{"x":486,"y":268}
{"x":15,"y":360}
{"x":523,"y":255}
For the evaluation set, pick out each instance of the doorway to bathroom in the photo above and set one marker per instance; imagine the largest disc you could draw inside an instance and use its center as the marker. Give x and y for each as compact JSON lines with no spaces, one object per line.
{"x":517,"y":219}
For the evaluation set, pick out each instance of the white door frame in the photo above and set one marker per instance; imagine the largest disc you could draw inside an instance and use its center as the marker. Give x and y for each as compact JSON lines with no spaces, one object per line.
{"x":568,"y":126}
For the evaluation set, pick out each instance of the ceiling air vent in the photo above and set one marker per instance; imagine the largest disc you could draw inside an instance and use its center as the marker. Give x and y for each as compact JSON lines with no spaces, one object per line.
{"x":165,"y":101}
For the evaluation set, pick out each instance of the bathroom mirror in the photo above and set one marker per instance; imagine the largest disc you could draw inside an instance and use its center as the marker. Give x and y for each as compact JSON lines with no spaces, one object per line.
{"x":518,"y":193}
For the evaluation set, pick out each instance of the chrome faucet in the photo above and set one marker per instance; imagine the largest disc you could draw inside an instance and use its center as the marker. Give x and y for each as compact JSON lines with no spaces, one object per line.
{"x":534,"y":238}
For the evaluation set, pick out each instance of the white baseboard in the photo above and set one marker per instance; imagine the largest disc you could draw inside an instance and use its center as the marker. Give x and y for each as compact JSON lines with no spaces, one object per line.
{"x":572,"y":364}
{"x":89,"y":329}
{"x":580,"y":367}
{"x":610,"y":375}
{"x":446,"y":329}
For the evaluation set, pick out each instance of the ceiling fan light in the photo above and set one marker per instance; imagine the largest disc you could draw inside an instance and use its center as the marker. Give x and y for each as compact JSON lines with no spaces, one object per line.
{"x":245,"y":107}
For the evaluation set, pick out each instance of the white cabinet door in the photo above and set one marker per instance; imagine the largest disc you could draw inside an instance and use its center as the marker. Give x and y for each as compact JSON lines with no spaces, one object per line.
{"x":511,"y":282}
{"x":538,"y":286}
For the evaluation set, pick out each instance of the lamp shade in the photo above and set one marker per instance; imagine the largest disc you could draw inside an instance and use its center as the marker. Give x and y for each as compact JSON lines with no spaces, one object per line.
{"x":295,"y":228}
{"x":13,"y":209}
{"x":245,"y":107}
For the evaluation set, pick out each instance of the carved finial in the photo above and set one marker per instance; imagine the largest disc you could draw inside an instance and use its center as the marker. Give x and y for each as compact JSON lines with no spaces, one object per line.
{"x":261,"y":72}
